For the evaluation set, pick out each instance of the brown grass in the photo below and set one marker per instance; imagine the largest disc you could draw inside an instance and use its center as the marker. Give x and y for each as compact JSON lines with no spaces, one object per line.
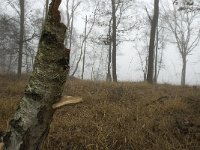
{"x":118,"y":116}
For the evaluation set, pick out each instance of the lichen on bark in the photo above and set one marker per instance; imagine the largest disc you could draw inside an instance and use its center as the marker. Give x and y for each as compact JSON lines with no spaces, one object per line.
{"x":32,"y":119}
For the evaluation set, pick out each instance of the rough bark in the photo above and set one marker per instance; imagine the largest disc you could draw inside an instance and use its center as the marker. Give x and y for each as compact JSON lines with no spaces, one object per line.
{"x":31,"y":121}
{"x":21,"y":38}
{"x":114,"y":40}
{"x":154,"y":24}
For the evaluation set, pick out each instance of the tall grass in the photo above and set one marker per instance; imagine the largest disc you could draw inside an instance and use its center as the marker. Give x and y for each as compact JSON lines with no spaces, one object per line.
{"x":116,"y":116}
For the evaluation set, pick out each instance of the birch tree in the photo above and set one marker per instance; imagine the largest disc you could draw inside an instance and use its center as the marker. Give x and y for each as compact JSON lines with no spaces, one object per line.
{"x":31,"y":121}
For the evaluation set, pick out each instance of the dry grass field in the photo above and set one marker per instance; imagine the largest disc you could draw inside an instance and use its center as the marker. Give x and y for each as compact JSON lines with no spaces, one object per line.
{"x":117,"y":116}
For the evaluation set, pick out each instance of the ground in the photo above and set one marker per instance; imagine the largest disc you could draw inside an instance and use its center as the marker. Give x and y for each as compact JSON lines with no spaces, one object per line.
{"x":117,"y":116}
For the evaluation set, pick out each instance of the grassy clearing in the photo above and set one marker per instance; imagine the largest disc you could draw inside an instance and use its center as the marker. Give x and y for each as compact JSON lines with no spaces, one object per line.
{"x":118,"y":116}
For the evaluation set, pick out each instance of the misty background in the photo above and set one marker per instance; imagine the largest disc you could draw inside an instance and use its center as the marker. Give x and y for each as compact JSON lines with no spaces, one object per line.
{"x":132,"y":47}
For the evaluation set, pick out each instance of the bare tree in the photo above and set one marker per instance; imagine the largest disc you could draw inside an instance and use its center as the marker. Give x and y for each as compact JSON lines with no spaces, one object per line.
{"x":84,"y":40}
{"x":84,"y":51}
{"x":114,"y":19}
{"x":159,"y":51}
{"x":186,"y":33}
{"x":109,"y":42}
{"x":70,"y":12}
{"x":144,"y":64}
{"x":21,"y":39}
{"x":154,"y":24}
{"x":114,"y":42}
{"x":26,"y":35}
{"x":8,"y":52}
{"x":46,"y":7}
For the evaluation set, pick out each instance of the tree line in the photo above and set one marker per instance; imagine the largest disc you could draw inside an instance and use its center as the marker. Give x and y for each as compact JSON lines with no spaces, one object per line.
{"x":107,"y":26}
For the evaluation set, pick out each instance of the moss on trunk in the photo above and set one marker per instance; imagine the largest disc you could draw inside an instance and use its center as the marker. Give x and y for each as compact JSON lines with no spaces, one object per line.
{"x":32,"y":119}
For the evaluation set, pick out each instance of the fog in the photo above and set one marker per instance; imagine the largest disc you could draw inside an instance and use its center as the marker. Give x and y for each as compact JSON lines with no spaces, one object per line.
{"x":128,"y":63}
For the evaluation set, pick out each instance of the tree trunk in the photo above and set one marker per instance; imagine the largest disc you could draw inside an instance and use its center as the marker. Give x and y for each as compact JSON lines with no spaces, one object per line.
{"x":82,"y":45}
{"x":31,"y":121}
{"x":84,"y":51}
{"x":3,"y":63}
{"x":109,"y":77}
{"x":183,"y":74}
{"x":156,"y":58}
{"x":21,"y":38}
{"x":46,"y":8}
{"x":146,"y":69}
{"x":68,"y":24}
{"x":114,"y":40}
{"x":71,"y":26}
{"x":152,"y":42}
{"x":10,"y":64}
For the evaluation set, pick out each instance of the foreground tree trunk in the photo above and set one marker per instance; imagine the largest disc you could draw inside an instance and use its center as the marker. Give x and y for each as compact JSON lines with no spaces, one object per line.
{"x":31,"y":121}
{"x":154,"y":24}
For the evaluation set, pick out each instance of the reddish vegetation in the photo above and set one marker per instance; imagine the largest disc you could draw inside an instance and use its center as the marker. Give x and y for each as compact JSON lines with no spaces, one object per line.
{"x":117,"y":116}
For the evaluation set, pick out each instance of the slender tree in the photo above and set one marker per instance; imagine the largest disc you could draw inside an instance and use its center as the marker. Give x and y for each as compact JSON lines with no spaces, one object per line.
{"x":72,"y":22}
{"x":84,"y":51}
{"x":8,"y":34}
{"x":109,"y":77}
{"x":182,"y":24}
{"x":114,"y":42}
{"x":46,"y":7}
{"x":21,"y":39}
{"x":86,"y":35}
{"x":154,"y":24}
{"x":156,"y":57}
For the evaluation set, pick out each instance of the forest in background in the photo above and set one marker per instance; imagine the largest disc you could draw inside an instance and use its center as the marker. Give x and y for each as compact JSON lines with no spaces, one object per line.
{"x":90,"y":38}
